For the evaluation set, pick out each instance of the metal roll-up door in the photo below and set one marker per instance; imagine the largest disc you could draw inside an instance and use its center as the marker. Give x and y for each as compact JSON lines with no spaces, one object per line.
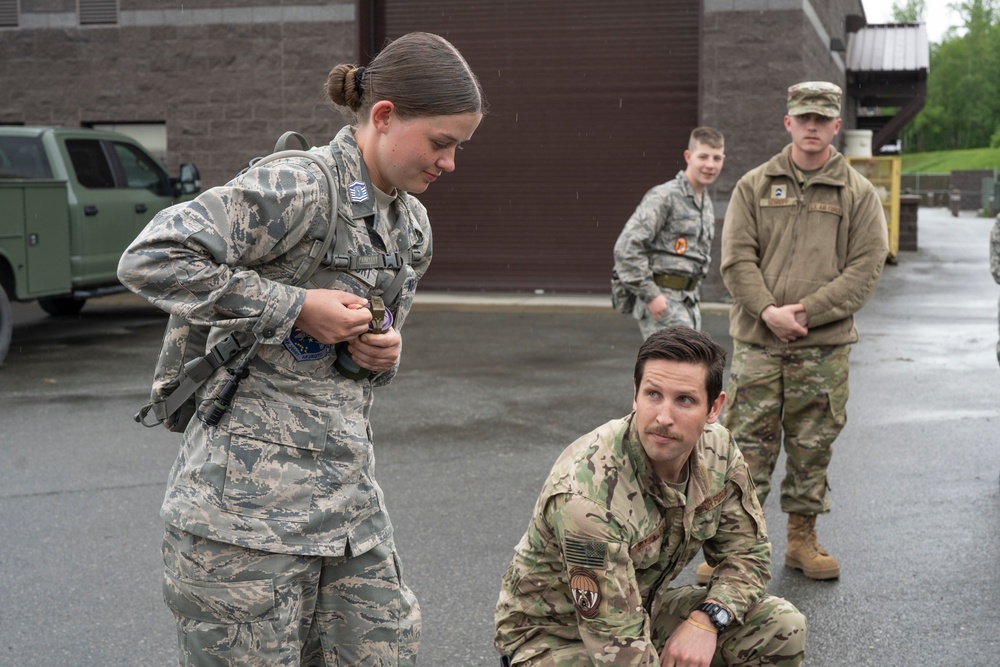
{"x":590,"y":104}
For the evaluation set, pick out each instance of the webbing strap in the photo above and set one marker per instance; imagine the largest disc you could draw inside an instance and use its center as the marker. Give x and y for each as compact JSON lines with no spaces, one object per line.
{"x":197,"y":371}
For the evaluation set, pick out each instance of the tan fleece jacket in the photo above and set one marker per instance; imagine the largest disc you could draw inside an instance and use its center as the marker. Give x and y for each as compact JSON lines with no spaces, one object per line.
{"x":821,"y":244}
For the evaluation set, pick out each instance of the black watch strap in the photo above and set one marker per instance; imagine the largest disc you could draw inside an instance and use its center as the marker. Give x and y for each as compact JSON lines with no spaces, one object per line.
{"x":719,"y":615}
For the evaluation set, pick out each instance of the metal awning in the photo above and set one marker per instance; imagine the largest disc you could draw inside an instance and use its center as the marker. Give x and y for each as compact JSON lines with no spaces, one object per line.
{"x":887,"y":68}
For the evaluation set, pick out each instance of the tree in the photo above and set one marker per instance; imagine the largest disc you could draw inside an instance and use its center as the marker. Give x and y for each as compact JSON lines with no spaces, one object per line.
{"x":909,"y":11}
{"x":963,"y":99}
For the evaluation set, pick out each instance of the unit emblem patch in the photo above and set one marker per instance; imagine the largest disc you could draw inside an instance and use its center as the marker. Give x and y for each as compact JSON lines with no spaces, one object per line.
{"x":304,"y":347}
{"x":586,"y":591}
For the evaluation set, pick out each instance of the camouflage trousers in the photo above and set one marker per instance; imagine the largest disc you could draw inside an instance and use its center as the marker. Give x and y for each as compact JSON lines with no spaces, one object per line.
{"x":800,"y":394}
{"x":683,"y":309}
{"x":773,"y":633}
{"x":236,"y":606}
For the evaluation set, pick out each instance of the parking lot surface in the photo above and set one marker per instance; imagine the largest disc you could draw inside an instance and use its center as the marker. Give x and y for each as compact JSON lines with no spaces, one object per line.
{"x":491,"y":389}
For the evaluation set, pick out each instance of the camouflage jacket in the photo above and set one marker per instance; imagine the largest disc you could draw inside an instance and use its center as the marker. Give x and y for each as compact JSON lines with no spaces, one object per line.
{"x":607,"y":537}
{"x":822,"y":245}
{"x":671,"y":231}
{"x":289,"y":469}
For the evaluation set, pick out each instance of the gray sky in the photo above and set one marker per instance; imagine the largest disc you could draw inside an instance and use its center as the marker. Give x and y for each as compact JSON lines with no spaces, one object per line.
{"x":937,"y":15}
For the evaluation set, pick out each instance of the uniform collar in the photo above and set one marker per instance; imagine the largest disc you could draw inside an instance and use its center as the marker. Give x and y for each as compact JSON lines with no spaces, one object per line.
{"x":834,"y":172}
{"x":353,"y":174}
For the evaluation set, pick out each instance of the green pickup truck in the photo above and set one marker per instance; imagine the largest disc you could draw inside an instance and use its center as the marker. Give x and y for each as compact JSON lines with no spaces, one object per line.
{"x":71,"y":200}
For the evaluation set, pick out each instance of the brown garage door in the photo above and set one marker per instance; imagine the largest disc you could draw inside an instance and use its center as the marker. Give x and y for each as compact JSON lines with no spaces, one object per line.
{"x":591,"y":103}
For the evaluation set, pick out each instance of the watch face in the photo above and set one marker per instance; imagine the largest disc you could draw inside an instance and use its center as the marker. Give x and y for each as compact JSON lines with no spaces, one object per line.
{"x":723,"y":617}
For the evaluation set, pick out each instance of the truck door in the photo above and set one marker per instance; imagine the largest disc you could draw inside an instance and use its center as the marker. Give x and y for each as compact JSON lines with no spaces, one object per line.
{"x":103,"y":224}
{"x":146,"y":184}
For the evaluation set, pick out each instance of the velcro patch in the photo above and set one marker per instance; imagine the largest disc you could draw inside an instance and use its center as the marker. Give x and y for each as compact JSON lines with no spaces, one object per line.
{"x":655,"y":535}
{"x":586,"y":591}
{"x":826,"y":208}
{"x":785,"y":201}
{"x":585,"y":553}
{"x":709,"y":503}
{"x":304,"y":347}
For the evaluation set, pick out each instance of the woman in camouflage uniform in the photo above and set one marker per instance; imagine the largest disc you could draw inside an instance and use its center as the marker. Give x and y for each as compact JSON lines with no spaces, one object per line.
{"x":278,"y":548}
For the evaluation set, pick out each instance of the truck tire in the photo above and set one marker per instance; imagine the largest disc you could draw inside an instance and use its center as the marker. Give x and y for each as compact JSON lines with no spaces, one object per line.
{"x":6,"y":324}
{"x":61,"y":306}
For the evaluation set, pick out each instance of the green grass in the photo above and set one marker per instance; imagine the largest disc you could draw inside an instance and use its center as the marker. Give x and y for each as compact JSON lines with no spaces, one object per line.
{"x":942,"y":162}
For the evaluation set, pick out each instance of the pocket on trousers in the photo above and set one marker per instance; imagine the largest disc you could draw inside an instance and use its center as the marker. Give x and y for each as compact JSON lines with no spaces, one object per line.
{"x":220,"y":602}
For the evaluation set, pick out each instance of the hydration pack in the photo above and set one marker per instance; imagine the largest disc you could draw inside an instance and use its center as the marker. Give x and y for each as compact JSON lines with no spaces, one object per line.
{"x":183,"y":364}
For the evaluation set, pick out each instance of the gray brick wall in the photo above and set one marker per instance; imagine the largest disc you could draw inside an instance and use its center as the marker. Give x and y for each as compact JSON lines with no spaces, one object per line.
{"x":225,"y":91}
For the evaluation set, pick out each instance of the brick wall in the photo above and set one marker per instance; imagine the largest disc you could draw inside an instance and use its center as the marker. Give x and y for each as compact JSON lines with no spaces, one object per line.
{"x":225,"y":91}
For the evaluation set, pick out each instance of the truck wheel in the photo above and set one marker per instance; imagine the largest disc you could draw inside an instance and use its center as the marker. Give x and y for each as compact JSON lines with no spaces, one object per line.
{"x":6,"y":323}
{"x":60,"y":306}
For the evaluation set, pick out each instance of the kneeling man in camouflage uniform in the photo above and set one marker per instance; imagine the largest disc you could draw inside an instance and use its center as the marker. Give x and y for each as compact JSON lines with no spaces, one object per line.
{"x":623,"y":510}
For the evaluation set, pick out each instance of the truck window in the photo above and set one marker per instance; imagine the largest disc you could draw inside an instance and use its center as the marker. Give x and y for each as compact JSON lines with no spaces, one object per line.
{"x":23,"y":157}
{"x":91,"y":167}
{"x":141,"y":171}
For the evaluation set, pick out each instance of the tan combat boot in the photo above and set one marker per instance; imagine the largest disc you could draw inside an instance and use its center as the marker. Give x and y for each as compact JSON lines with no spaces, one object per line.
{"x":703,"y":574}
{"x":804,"y":553}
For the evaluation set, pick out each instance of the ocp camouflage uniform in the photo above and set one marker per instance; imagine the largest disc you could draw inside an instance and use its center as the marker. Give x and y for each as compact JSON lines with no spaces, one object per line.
{"x":285,"y":483}
{"x":995,"y":264}
{"x":786,"y":239}
{"x":670,"y":233}
{"x":589,"y":582}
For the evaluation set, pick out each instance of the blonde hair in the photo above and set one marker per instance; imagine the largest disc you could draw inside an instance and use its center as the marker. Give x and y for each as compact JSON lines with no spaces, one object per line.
{"x":709,"y":136}
{"x":422,"y":74}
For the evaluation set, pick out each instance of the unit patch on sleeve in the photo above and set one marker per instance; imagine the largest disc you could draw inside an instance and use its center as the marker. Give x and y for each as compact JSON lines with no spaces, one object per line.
{"x":586,"y":591}
{"x":681,"y":246}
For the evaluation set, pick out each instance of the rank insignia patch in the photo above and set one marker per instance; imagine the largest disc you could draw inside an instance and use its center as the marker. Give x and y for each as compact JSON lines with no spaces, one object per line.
{"x":586,"y":591}
{"x":778,"y":192}
{"x":681,"y":245}
{"x":358,"y":192}
{"x":304,"y":347}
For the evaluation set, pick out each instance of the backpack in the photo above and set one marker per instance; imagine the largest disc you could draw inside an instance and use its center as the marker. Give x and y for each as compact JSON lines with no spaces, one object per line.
{"x":622,"y":299}
{"x":183,"y":364}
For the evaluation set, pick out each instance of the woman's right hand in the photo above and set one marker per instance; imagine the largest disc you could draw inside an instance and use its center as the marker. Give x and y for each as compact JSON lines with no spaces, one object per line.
{"x":332,"y":316}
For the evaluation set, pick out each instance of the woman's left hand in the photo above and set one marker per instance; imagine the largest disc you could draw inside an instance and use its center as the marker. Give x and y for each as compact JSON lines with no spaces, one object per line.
{"x":376,"y":352}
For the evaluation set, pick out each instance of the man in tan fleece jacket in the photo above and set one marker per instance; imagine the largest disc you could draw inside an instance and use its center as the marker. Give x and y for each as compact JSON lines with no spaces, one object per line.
{"x":803,"y":245}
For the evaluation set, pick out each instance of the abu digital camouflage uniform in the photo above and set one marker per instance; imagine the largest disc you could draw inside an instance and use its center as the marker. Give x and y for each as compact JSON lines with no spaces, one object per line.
{"x":786,"y":239}
{"x":670,"y":233}
{"x":290,"y":469}
{"x":995,"y":265}
{"x":589,"y":582}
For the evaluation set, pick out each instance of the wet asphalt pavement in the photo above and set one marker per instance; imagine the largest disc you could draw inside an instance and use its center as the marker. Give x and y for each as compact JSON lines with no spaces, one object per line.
{"x":491,"y":390}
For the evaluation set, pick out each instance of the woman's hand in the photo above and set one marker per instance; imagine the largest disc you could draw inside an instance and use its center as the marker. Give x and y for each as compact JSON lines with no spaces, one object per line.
{"x":376,"y":352}
{"x":332,"y":316}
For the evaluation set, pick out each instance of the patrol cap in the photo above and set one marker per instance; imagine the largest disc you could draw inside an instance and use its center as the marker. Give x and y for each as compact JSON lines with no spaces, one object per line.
{"x":819,"y":97}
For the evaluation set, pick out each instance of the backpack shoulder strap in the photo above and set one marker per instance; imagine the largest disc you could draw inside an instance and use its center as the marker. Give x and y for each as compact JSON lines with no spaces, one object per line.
{"x":195,"y":372}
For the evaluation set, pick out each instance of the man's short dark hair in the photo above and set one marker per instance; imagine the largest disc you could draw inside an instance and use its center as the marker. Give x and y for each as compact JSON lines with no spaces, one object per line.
{"x":686,"y":345}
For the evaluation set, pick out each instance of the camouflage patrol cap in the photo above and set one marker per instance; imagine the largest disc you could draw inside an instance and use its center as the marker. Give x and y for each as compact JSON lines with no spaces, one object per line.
{"x":819,"y":97}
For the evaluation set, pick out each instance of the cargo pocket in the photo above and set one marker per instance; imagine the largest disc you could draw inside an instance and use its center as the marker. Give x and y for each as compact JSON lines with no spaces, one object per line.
{"x":272,"y":466}
{"x":229,"y":621}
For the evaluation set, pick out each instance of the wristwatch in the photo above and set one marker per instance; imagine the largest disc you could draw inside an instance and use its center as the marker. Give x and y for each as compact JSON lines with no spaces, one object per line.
{"x":718,"y":614}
